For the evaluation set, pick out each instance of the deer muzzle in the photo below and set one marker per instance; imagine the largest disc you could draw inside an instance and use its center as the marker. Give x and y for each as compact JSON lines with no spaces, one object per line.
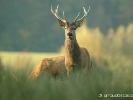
{"x":69,"y":34}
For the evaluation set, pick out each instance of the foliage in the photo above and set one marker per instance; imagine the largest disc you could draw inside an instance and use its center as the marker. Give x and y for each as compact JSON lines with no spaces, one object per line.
{"x":13,"y":58}
{"x":99,"y":80}
{"x":28,"y":25}
{"x":111,"y":73}
{"x":117,"y":42}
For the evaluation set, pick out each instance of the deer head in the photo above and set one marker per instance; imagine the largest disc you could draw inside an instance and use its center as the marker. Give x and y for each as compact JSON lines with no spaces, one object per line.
{"x":69,"y":27}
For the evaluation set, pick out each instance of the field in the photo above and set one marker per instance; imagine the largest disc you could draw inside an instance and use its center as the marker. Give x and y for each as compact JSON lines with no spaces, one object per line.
{"x":111,"y":74}
{"x":13,"y":57}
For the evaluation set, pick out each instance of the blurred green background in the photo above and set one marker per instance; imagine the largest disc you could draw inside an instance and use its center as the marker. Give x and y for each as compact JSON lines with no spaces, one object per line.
{"x":29,"y":25}
{"x":29,"y":32}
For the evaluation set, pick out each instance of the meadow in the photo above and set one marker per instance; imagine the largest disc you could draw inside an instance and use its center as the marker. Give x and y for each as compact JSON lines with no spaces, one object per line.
{"x":111,"y":74}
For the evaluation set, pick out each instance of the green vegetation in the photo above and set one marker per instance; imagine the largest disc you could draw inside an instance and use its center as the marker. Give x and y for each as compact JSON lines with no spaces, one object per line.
{"x":16,"y":57}
{"x":111,"y":73}
{"x":28,"y":25}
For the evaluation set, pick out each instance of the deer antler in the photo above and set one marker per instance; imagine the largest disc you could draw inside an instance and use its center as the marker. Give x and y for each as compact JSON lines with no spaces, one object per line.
{"x":56,"y":14}
{"x":64,"y":16}
{"x":85,"y":14}
{"x":77,"y":17}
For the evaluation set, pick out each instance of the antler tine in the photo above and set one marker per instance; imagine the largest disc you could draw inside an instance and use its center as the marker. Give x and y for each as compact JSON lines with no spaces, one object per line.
{"x":56,"y":10}
{"x":85,"y":13}
{"x":77,"y":17}
{"x":56,"y":13}
{"x":64,"y":15}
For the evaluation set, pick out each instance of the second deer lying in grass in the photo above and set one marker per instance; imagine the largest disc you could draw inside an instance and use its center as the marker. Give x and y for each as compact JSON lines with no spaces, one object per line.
{"x":75,"y":58}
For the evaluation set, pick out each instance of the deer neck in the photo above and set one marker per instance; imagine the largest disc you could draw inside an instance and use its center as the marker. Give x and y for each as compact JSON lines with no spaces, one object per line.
{"x":72,"y":51}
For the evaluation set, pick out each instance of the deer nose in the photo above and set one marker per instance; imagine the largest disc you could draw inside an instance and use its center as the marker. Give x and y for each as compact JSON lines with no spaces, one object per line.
{"x":69,"y":34}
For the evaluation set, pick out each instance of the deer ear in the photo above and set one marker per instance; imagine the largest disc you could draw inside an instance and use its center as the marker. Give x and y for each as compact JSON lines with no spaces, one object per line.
{"x":61,"y":23}
{"x":79,"y":23}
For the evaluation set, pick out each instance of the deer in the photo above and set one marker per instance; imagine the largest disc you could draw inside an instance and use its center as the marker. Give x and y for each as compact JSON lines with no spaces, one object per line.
{"x":54,"y":66}
{"x":75,"y":58}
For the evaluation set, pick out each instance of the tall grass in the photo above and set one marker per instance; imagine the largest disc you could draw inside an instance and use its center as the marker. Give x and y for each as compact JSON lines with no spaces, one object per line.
{"x":111,"y":72}
{"x":84,"y":87}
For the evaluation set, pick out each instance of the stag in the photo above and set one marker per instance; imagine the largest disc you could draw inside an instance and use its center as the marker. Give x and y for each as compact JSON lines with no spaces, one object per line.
{"x":76,"y":57}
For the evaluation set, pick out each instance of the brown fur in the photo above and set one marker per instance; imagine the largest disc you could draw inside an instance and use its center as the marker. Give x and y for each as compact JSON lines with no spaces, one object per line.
{"x":76,"y":57}
{"x":54,"y":66}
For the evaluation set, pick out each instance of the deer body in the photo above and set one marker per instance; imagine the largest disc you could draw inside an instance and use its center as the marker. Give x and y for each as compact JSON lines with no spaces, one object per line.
{"x":75,"y":57}
{"x":54,"y":66}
